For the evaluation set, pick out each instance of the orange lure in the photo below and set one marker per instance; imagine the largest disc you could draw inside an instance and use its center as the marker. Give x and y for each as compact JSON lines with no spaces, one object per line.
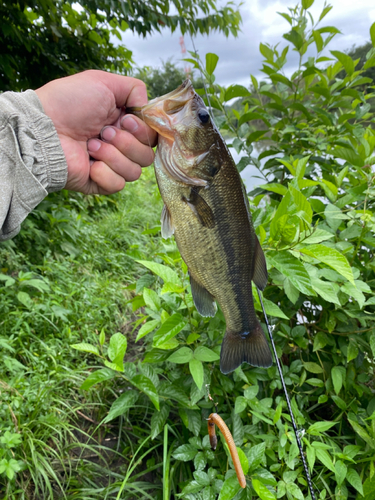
{"x":213,"y":419}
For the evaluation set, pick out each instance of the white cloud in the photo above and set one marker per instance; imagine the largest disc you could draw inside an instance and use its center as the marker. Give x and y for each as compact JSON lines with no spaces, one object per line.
{"x":240,"y":56}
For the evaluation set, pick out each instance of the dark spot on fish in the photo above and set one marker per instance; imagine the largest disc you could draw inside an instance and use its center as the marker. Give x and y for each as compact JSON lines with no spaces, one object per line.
{"x":203,"y":115}
{"x":213,"y":170}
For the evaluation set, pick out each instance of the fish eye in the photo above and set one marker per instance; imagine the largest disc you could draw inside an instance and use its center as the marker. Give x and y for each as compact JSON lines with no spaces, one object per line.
{"x":203,"y":115}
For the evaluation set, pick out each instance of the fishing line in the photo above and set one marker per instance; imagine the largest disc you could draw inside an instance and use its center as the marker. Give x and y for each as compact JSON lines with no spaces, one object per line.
{"x":203,"y":78}
{"x":296,"y":432}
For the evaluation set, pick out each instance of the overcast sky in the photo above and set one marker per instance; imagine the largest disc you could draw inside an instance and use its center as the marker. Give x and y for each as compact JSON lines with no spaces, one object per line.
{"x":240,"y":57}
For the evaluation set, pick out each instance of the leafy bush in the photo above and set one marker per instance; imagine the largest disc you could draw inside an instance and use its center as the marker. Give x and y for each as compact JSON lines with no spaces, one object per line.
{"x":314,"y":218}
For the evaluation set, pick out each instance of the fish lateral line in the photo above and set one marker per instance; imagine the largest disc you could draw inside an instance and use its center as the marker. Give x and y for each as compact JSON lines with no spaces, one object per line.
{"x":215,"y":419}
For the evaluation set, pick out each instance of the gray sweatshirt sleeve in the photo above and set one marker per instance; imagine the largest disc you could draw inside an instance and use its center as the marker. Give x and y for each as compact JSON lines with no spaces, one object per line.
{"x":32,"y":161}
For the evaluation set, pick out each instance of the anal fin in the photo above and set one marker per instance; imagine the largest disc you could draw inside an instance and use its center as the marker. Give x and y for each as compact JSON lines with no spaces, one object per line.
{"x":260,"y":275}
{"x":203,"y":300}
{"x":201,"y":209}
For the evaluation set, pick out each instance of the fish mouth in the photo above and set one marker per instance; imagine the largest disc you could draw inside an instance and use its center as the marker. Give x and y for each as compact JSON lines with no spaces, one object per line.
{"x":169,"y":103}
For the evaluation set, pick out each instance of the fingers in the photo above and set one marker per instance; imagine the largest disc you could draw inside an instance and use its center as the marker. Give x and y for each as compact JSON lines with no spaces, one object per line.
{"x":106,"y":180}
{"x":114,"y":159}
{"x":139,"y":129}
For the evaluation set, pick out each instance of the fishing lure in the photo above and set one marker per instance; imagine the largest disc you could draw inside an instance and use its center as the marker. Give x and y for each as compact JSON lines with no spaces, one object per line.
{"x":213,"y":419}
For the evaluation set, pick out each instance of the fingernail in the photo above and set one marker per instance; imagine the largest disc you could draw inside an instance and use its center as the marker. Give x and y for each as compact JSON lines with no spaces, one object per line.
{"x":108,"y":133}
{"x":93,"y":145}
{"x":128,"y":123}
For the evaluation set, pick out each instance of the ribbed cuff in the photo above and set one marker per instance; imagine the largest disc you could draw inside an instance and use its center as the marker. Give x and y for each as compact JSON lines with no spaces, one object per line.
{"x":47,"y":163}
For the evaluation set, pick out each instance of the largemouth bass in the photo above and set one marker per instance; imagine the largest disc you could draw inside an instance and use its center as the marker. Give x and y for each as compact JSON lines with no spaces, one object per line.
{"x":207,"y":210}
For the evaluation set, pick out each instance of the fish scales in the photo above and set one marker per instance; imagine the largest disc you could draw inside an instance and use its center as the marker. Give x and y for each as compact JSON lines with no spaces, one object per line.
{"x":207,"y":210}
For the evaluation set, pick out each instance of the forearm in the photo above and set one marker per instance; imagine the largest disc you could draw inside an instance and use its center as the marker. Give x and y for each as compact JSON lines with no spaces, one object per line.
{"x":32,"y":162}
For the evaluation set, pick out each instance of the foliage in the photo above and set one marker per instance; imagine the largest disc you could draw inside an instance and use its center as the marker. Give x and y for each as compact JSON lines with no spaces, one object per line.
{"x":122,"y":299}
{"x":62,"y":38}
{"x":360,"y":53}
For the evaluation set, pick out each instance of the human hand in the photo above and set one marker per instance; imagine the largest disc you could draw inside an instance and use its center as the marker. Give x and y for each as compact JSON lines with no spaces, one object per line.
{"x":103,"y":148}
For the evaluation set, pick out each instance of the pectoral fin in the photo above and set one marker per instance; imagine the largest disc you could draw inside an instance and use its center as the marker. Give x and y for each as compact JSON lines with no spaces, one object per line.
{"x":203,"y":300}
{"x":167,"y":227}
{"x":260,"y":275}
{"x":200,"y":209}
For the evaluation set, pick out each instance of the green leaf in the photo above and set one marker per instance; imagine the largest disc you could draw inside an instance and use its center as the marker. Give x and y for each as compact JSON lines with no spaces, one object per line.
{"x":102,"y":337}
{"x":151,"y":299}
{"x":320,"y":341}
{"x":202,"y":353}
{"x":256,"y":456}
{"x":325,"y":458}
{"x":211,"y":62}
{"x":25,"y":299}
{"x":158,"y":420}
{"x":336,"y":379}
{"x":318,"y":427}
{"x":352,"y":352}
{"x":240,"y":404}
{"x":169,"y":329}
{"x":312,"y":367}
{"x":351,"y":290}
{"x":339,"y":402}
{"x":318,"y":236}
{"x":39,"y":284}
{"x":372,"y":34}
{"x":318,"y":41}
{"x":369,"y":489}
{"x":146,"y":385}
{"x":362,"y":433}
{"x":293,"y":269}
{"x":332,"y":258}
{"x":166,"y":273}
{"x":229,"y":489}
{"x":121,"y":405}
{"x":262,"y":490}
{"x":117,"y":348}
{"x":196,"y":370}
{"x":270,"y":308}
{"x":327,"y":290}
{"x":97,"y":377}
{"x":306,"y":4}
{"x":236,"y":91}
{"x":147,"y":328}
{"x":85,"y":347}
{"x":353,"y":478}
{"x":275,"y":188}
{"x":295,"y":38}
{"x":345,"y":60}
{"x":185,"y":452}
{"x":243,"y":460}
{"x":340,"y":472}
{"x":310,"y":454}
{"x":9,"y":281}
{"x":181,"y":356}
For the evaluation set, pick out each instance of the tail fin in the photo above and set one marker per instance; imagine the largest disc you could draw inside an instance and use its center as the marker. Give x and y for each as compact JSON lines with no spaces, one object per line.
{"x":249,"y":347}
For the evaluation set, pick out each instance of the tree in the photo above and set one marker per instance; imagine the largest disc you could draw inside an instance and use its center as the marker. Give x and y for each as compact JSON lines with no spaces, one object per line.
{"x":43,"y":40}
